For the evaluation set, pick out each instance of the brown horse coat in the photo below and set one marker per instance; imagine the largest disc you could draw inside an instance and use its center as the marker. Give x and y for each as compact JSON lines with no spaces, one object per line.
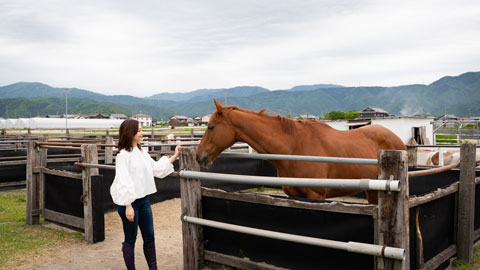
{"x":279,"y":135}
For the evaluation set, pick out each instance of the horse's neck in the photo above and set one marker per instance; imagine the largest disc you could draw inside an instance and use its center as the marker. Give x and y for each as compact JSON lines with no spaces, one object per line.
{"x":264,"y":134}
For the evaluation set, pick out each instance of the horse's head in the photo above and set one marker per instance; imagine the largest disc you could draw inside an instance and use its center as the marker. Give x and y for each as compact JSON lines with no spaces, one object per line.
{"x":219,"y":136}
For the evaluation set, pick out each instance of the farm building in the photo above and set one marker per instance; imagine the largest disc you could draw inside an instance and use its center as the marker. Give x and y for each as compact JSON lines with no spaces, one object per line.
{"x":418,"y":128}
{"x":373,"y":112}
{"x":144,"y":119}
{"x":120,"y":116}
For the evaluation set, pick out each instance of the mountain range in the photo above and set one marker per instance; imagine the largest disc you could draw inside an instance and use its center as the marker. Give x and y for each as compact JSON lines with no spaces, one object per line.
{"x":459,"y":95}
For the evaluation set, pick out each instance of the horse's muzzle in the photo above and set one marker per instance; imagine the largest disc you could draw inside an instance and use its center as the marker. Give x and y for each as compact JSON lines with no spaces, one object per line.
{"x":202,"y":159}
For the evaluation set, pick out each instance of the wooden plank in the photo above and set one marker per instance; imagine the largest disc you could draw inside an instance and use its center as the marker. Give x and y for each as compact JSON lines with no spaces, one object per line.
{"x":466,"y":203}
{"x":419,"y":247}
{"x":62,"y":218}
{"x":66,"y":174}
{"x":109,"y":151}
{"x":192,"y":206}
{"x":89,"y":155}
{"x":361,"y":209}
{"x":43,"y":153}
{"x":412,"y":155}
{"x":59,"y":160}
{"x":441,"y":257}
{"x":393,"y":212}
{"x":12,"y":163}
{"x":32,"y":187}
{"x":241,"y":263}
{"x":437,"y":194}
{"x":12,"y":184}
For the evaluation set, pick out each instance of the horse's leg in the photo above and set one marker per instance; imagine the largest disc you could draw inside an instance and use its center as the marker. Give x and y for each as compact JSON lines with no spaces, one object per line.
{"x":293,"y":192}
{"x":372,"y":196}
{"x":316,"y":193}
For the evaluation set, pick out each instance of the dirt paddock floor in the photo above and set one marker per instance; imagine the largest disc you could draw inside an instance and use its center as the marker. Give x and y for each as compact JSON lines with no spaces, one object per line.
{"x":108,"y":255}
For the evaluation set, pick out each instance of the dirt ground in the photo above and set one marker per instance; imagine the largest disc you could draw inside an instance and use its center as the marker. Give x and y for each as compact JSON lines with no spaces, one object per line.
{"x":108,"y":255}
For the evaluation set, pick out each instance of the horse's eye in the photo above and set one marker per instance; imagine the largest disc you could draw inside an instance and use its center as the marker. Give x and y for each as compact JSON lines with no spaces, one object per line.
{"x":210,"y":127}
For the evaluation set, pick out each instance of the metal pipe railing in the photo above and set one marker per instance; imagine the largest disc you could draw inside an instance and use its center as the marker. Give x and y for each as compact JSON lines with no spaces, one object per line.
{"x":354,"y":247}
{"x":106,"y":167}
{"x":363,"y":184}
{"x":362,"y":161}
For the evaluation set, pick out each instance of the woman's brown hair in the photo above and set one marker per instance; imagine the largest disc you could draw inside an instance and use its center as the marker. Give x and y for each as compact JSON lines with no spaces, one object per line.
{"x":127,"y":131}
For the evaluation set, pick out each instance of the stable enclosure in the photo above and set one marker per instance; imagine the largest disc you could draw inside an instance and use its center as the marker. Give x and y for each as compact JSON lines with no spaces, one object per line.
{"x":440,"y":225}
{"x":440,"y":222}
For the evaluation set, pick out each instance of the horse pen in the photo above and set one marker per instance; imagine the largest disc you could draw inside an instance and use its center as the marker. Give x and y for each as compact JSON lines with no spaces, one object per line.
{"x":429,"y":240}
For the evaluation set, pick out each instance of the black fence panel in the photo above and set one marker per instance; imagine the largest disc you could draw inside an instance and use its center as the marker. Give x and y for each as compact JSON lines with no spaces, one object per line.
{"x":64,"y":195}
{"x":320,"y":224}
{"x":436,"y":220}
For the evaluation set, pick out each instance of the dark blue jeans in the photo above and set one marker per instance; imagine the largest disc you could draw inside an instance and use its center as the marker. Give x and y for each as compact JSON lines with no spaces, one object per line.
{"x":143,"y":219}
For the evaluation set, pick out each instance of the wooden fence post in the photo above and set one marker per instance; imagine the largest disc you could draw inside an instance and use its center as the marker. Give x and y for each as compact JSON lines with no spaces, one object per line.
{"x":466,"y":203}
{"x":33,"y":193}
{"x":190,"y":190}
{"x":412,"y":155}
{"x":393,"y":210}
{"x":89,"y":155}
{"x":109,"y":150}
{"x":36,"y":158}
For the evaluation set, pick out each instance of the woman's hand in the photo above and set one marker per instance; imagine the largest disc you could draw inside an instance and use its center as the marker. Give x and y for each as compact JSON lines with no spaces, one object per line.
{"x":130,"y":213}
{"x":177,"y":149}
{"x":177,"y":152}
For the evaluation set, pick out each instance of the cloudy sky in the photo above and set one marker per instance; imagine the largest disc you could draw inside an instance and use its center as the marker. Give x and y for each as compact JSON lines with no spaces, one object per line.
{"x":144,"y":47}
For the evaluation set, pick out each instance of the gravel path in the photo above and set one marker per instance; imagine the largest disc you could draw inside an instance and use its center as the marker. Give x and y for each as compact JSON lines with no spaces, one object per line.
{"x":108,"y":255}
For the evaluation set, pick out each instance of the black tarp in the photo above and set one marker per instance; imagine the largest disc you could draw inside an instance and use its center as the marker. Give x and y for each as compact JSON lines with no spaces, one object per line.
{"x":319,"y":224}
{"x":14,"y":173}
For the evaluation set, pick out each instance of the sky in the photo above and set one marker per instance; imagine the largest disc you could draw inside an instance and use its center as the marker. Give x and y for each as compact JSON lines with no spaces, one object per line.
{"x":142,"y":48}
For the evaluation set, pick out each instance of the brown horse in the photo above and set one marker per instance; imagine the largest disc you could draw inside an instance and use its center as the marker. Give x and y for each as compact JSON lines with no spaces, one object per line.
{"x":280,"y":135}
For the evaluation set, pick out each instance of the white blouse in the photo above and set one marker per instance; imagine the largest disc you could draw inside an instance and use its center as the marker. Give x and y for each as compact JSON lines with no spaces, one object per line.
{"x":134,"y":172}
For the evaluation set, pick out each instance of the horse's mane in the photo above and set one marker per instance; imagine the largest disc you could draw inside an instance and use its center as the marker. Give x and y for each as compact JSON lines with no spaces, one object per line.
{"x":288,"y":125}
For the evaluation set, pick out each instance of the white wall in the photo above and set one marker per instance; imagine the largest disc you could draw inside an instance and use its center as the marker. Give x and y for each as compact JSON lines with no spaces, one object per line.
{"x":401,"y":126}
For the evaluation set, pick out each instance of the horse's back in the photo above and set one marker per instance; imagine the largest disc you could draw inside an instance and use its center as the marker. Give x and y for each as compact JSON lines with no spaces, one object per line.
{"x":383,"y":136}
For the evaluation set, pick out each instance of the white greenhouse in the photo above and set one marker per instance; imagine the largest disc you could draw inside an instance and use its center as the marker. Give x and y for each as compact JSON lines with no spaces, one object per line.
{"x":21,"y":123}
{"x":60,"y":123}
{"x":9,"y":123}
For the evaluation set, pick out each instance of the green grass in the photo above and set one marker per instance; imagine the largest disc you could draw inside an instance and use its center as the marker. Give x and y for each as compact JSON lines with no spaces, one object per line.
{"x":475,"y":263}
{"x":440,"y":138}
{"x":18,"y":240}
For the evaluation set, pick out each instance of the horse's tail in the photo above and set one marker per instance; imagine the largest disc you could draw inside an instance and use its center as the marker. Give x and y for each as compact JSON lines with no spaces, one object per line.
{"x":429,"y":157}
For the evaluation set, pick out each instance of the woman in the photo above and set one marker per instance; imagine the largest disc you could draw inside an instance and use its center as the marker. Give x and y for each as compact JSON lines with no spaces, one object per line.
{"x":134,"y":172}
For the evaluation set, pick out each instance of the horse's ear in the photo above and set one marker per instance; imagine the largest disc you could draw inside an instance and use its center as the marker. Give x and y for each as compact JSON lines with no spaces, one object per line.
{"x":218,"y":105}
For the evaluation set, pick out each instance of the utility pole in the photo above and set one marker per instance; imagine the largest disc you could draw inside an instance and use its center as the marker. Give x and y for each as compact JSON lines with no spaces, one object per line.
{"x":66,"y":111}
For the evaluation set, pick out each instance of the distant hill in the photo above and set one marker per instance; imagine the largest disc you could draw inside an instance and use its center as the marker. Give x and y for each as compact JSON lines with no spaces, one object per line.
{"x":209,"y":94}
{"x":313,"y":87}
{"x":459,"y":95}
{"x":31,"y":107}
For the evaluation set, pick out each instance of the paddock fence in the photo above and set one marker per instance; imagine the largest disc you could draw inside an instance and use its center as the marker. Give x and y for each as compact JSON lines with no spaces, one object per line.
{"x":445,"y":223}
{"x":75,"y":191}
{"x":426,"y":218}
